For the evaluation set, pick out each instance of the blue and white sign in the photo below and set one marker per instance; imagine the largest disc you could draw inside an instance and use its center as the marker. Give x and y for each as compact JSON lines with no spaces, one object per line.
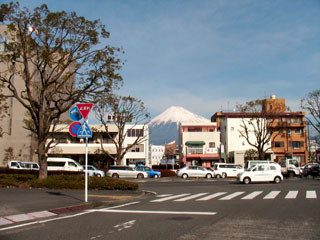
{"x":84,"y":131}
{"x":75,"y":114}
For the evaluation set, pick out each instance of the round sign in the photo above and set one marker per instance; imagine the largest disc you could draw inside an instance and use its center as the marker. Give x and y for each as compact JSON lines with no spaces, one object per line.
{"x":74,"y":128}
{"x":75,"y":114}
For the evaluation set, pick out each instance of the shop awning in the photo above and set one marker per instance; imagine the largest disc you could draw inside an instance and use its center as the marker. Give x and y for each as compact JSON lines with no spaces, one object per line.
{"x":195,"y":143}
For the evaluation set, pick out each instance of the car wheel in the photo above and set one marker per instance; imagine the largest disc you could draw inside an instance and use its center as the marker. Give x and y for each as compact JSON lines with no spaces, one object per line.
{"x":156,"y":176}
{"x":246,"y":180}
{"x":218,"y":176}
{"x":98,"y":175}
{"x":291,"y":174}
{"x":208,"y":176}
{"x":140,"y":175}
{"x":184,"y":176}
{"x":277,"y":180}
{"x":115,"y":175}
{"x":224,"y":175}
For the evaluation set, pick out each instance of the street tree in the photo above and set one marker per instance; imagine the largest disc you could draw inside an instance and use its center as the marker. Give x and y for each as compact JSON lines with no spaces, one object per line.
{"x":311,"y":103}
{"x":257,"y":125}
{"x":62,"y":59}
{"x":125,"y":113}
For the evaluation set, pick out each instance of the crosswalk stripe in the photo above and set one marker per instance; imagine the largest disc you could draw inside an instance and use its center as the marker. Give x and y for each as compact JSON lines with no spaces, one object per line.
{"x":311,"y":194}
{"x":231,"y":196}
{"x":272,"y":195}
{"x":291,"y":195}
{"x":190,"y":197}
{"x":211,"y":196}
{"x":164,"y":195}
{"x":170,"y":198}
{"x":252,"y":195}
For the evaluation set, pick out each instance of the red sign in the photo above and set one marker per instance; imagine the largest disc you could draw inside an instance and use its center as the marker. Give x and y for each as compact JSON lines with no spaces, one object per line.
{"x":74,"y":128}
{"x":84,"y":109}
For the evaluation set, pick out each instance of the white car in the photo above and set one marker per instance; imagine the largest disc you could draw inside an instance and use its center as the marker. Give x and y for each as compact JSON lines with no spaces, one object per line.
{"x":194,"y":171}
{"x":223,"y":170}
{"x":261,"y":173}
{"x":125,"y":172}
{"x":93,"y":171}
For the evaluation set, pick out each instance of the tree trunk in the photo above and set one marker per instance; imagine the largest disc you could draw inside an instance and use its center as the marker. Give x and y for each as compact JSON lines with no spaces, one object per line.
{"x":43,"y":172}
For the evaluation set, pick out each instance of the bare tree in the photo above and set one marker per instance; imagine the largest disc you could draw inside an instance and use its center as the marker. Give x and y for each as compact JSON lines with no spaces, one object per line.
{"x":122,"y":112}
{"x":311,"y":103}
{"x":60,"y":60}
{"x":257,"y":125}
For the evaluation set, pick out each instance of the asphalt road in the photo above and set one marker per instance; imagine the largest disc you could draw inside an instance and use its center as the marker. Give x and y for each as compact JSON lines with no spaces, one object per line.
{"x":193,"y":209}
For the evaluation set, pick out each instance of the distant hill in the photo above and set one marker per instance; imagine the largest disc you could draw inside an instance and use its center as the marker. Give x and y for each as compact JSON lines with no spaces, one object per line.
{"x":164,"y":128}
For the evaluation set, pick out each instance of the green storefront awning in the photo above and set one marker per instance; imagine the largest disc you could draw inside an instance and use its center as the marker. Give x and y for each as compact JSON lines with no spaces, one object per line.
{"x":195,"y":143}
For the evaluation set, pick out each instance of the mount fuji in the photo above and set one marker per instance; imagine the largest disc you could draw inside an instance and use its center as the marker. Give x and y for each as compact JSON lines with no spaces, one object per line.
{"x":164,"y":128}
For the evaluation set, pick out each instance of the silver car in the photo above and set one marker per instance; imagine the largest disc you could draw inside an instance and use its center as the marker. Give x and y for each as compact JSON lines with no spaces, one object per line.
{"x":194,"y":171}
{"x":125,"y":172}
{"x":93,"y":171}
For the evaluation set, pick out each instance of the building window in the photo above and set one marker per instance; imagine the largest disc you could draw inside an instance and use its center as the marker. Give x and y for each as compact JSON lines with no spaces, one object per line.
{"x":212,"y":144}
{"x":135,"y":132}
{"x":296,"y":145}
{"x":195,"y":129}
{"x":289,"y":132}
{"x":278,"y":144}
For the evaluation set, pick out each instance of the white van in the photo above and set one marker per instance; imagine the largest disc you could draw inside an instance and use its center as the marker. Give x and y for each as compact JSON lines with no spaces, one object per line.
{"x":14,"y":164}
{"x":63,"y":164}
{"x":227,"y":170}
{"x":251,"y":163}
{"x":30,"y":166}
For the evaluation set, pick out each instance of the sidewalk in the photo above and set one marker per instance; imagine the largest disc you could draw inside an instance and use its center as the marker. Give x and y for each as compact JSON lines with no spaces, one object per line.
{"x":19,"y":205}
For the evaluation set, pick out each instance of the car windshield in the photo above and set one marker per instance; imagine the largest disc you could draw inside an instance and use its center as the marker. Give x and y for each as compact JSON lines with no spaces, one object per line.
{"x":250,"y":169}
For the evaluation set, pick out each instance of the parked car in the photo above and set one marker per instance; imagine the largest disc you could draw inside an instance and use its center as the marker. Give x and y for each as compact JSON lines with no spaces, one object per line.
{"x":93,"y":171}
{"x":311,"y":169}
{"x":223,"y":170}
{"x":261,"y":173}
{"x":149,"y":170}
{"x":194,"y":171}
{"x":63,"y":164}
{"x":125,"y":172}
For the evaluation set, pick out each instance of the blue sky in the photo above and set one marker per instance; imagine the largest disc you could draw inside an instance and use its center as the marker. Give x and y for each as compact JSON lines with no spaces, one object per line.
{"x":208,"y":55}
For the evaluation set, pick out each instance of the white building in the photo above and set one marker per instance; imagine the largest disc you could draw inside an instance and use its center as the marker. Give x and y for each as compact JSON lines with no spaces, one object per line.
{"x":236,"y":145}
{"x":68,"y":146}
{"x":156,"y":153}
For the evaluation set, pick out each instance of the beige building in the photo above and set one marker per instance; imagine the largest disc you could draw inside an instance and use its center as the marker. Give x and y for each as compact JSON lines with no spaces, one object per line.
{"x":16,"y":143}
{"x":75,"y":148}
{"x":200,"y":144}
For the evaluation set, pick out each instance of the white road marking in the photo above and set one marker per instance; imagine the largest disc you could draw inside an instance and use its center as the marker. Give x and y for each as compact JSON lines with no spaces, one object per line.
{"x":311,"y":195}
{"x":155,"y":212}
{"x":231,"y":196}
{"x":252,"y":195}
{"x":291,"y":195}
{"x":170,"y":198}
{"x":211,"y":196}
{"x":125,"y":225}
{"x":164,"y":195}
{"x":272,"y":195}
{"x":190,"y":197}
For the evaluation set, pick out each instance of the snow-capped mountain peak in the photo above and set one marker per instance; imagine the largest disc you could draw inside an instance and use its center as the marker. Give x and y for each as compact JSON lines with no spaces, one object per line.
{"x":176,"y":114}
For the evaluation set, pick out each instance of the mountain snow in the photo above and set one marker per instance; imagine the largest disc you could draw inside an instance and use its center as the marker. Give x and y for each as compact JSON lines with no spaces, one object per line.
{"x":164,"y":128}
{"x":177,"y":114}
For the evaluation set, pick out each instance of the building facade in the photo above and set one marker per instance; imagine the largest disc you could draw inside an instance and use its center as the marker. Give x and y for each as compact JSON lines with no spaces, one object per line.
{"x":200,"y":144}
{"x":288,"y":139}
{"x":156,"y":154}
{"x":68,"y":146}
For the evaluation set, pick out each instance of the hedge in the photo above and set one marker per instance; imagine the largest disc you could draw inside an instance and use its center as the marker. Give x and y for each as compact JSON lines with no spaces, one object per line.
{"x":65,"y":182}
